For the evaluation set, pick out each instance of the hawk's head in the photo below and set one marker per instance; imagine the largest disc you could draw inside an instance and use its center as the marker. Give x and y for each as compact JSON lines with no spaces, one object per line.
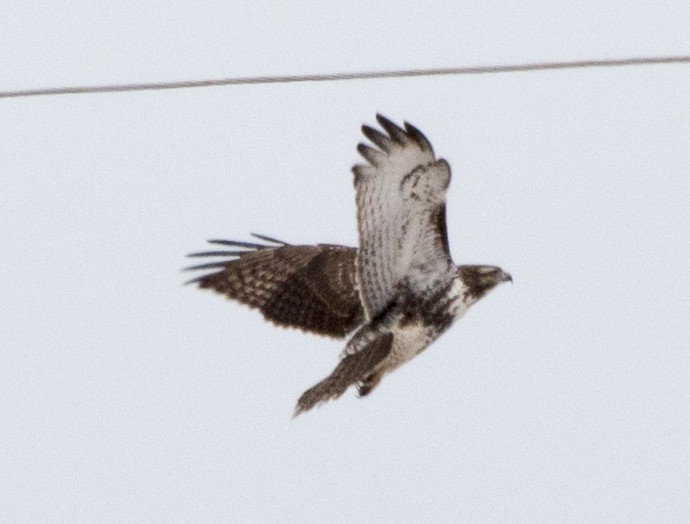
{"x":481,"y":279}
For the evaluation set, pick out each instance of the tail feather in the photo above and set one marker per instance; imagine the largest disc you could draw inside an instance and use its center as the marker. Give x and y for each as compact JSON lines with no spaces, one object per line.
{"x":352,"y":369}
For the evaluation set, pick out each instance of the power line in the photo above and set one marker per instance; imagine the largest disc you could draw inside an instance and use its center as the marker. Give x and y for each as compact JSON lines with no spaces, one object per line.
{"x":472,"y":70}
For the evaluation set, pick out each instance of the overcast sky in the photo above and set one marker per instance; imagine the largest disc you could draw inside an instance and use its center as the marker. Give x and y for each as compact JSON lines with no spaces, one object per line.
{"x":127,"y":397}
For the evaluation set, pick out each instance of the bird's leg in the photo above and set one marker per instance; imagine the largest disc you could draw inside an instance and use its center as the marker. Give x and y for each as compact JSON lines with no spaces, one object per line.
{"x":367,"y":385}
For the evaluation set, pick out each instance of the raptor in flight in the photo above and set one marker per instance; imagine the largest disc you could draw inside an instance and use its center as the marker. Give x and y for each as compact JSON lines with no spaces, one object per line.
{"x":398,"y":292}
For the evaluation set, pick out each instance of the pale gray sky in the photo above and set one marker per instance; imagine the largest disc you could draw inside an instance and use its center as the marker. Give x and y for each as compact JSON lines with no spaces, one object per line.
{"x":126,"y":397}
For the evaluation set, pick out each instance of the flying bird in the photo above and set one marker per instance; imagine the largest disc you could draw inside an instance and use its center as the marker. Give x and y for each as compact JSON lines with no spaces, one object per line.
{"x":395,"y":294}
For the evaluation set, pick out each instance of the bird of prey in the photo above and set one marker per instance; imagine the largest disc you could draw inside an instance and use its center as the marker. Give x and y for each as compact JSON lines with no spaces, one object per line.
{"x":398,"y":291}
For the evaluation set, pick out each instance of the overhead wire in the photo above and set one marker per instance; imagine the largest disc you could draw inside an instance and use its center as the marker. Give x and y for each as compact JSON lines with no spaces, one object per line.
{"x":286,"y":79}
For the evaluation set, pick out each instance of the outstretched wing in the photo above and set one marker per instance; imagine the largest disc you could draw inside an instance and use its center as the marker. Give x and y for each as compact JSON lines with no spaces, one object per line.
{"x":307,"y":287}
{"x":364,"y":352}
{"x":401,"y":195}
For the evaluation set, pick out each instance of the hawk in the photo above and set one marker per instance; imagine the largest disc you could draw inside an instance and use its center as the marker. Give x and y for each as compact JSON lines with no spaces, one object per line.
{"x":398,"y":292}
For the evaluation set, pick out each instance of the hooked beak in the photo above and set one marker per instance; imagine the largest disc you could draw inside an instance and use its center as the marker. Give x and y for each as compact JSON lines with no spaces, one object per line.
{"x":505,"y":277}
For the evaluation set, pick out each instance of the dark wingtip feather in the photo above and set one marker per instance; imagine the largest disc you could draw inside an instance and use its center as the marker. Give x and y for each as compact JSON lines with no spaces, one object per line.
{"x":203,"y":281}
{"x":418,"y":137}
{"x":372,"y":155}
{"x":383,"y":120}
{"x":217,"y":254}
{"x":196,"y":280}
{"x":269,"y":239}
{"x":236,"y":243}
{"x":249,"y":247}
{"x":377,"y":138}
{"x":393,"y":130}
{"x":210,"y":265}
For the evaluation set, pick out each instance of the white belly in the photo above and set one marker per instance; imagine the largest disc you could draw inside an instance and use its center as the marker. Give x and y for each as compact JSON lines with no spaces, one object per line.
{"x":408,"y":342}
{"x":413,"y":338}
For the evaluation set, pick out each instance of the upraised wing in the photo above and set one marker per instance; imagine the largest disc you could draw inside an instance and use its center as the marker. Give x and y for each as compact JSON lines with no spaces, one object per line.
{"x":306,"y":287}
{"x":401,"y":195}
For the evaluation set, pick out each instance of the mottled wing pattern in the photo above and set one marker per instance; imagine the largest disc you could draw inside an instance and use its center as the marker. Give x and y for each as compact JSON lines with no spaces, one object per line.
{"x":307,"y":287}
{"x":401,"y":195}
{"x":355,"y":367}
